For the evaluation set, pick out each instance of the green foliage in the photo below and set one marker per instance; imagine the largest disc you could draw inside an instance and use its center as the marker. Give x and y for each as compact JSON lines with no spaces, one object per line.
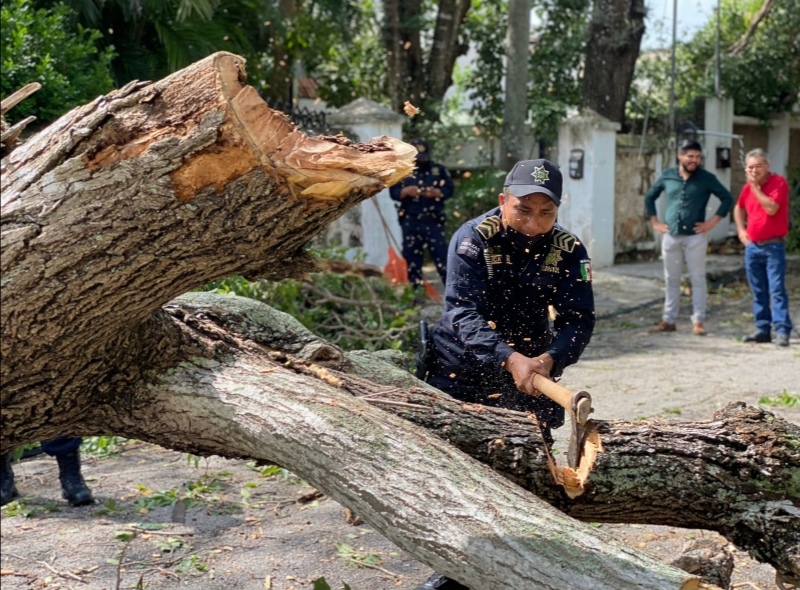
{"x":18,"y":452}
{"x":486,"y":26}
{"x":352,"y":312}
{"x":557,"y":56}
{"x":345,"y":68}
{"x":357,"y":558}
{"x":268,"y":470}
{"x":762,"y":80}
{"x":45,"y":46}
{"x":322,"y":584}
{"x":476,"y":193}
{"x":157,"y":37}
{"x":337,"y":41}
{"x":110,"y":507}
{"x":19,"y":508}
{"x":191,"y":562}
{"x":103,"y":446}
{"x":784,"y":400}
{"x":197,"y":493}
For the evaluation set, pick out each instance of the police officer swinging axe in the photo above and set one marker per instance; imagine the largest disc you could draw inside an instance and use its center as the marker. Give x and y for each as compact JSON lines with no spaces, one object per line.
{"x":495,"y":343}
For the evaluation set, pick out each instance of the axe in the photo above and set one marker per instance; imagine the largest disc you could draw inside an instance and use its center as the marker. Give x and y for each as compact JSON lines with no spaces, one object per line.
{"x":578,"y":406}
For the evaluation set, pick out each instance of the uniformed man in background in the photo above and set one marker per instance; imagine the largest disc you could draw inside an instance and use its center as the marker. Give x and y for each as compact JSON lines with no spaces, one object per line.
{"x":506,"y":268}
{"x":420,"y":210}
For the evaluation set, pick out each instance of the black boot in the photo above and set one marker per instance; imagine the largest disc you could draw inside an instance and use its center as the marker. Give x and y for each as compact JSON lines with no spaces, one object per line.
{"x":8,"y":491}
{"x":440,"y":582}
{"x":72,"y":485}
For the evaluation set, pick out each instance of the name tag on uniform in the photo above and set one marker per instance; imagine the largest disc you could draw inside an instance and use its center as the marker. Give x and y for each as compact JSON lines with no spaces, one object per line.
{"x":469,"y":248}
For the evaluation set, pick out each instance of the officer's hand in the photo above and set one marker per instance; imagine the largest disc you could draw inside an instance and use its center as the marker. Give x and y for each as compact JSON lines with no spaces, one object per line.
{"x":433,"y":193}
{"x":524,"y":368}
{"x":409,"y":192}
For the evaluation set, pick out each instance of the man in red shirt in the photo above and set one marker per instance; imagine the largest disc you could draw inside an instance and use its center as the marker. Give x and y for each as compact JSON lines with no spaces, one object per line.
{"x":762,"y":220}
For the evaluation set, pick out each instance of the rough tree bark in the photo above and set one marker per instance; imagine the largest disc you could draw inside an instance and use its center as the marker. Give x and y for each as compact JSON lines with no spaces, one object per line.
{"x":142,"y":195}
{"x":614,"y":36}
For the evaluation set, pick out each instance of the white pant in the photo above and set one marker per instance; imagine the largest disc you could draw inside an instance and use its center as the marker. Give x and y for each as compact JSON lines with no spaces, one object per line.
{"x":692,"y":250}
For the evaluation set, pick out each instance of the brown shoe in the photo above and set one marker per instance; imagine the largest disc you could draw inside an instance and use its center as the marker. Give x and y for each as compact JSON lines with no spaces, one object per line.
{"x":662,"y":326}
{"x":698,"y":329}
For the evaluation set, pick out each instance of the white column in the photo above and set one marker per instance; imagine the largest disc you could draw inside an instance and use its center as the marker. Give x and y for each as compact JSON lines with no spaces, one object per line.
{"x":587,"y":208}
{"x":718,"y":119}
{"x":778,"y":148}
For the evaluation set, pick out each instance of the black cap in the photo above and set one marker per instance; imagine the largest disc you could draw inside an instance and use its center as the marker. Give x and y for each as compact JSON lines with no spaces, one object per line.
{"x":690,"y":145}
{"x":423,"y":149}
{"x":535,"y":176}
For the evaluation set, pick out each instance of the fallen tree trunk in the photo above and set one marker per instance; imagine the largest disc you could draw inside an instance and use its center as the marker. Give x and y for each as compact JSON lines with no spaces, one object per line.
{"x":147,"y":193}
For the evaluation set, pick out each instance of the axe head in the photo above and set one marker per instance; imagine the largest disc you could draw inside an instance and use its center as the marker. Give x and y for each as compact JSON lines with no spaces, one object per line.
{"x":579,"y":410}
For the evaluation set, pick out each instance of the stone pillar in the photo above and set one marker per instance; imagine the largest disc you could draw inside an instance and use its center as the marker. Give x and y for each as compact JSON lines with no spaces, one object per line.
{"x":778,"y":148}
{"x":718,"y":120}
{"x":373,"y":227}
{"x":587,"y":208}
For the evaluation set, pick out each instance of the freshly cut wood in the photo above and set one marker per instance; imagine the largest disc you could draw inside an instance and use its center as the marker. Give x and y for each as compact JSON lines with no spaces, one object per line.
{"x":141,"y":196}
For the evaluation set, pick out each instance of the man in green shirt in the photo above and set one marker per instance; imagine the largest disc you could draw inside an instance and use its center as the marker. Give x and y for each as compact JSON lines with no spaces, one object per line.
{"x":684,"y":231}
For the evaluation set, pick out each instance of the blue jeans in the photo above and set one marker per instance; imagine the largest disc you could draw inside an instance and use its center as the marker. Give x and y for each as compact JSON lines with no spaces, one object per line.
{"x":766,"y":272}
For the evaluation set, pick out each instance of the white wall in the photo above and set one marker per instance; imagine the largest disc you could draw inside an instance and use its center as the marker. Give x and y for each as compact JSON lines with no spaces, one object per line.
{"x":378,"y":216}
{"x":587,"y":207}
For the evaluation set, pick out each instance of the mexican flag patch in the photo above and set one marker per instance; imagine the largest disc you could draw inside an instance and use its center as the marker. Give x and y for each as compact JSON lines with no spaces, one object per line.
{"x":586,"y":271}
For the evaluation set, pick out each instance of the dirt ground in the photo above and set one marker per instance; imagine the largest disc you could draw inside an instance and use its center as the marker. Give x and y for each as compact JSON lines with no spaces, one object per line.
{"x":252,"y":528}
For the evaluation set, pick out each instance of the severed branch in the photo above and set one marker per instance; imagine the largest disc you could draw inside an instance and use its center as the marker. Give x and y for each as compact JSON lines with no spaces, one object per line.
{"x":741,"y":44}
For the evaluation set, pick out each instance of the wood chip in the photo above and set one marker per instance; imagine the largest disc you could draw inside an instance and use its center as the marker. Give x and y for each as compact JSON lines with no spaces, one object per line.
{"x":410,"y":109}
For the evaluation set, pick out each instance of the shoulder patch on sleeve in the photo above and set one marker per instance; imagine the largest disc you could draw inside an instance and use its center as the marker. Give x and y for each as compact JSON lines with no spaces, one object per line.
{"x":564,"y":240}
{"x":586,"y":270}
{"x":488,"y":227}
{"x":470,"y":248}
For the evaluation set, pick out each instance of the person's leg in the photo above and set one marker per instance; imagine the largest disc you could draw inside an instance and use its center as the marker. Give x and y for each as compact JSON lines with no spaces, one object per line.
{"x":437,"y":245}
{"x":8,"y":491}
{"x":413,"y":243}
{"x":776,"y":278}
{"x":66,"y":450}
{"x":756,"y":266}
{"x":694,"y":249}
{"x":672,"y":253}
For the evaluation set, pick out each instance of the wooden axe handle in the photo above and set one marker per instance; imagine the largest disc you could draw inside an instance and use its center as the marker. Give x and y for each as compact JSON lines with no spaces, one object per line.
{"x":563,"y":397}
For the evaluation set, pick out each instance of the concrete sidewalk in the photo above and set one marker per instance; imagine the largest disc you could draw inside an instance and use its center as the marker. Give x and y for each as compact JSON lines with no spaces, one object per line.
{"x":627,"y":286}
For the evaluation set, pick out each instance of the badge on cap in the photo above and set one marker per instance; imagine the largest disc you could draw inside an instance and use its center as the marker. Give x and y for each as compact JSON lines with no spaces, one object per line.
{"x":540,"y":174}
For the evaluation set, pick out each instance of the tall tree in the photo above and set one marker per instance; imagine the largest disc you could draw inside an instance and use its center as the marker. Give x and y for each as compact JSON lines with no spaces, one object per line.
{"x":515,"y":108}
{"x":760,"y":63}
{"x":614,"y":36}
{"x":420,"y":65}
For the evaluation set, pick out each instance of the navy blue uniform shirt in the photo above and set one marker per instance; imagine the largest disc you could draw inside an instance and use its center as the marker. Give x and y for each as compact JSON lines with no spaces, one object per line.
{"x":421,"y":207}
{"x":496,"y":302}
